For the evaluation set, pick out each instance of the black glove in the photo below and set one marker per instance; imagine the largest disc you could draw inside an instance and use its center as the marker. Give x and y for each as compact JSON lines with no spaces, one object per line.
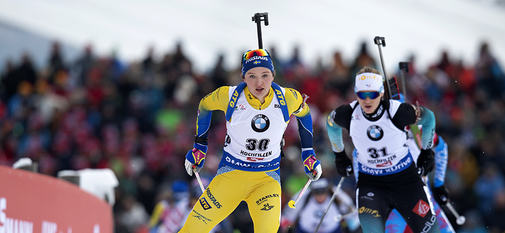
{"x":425,"y":162}
{"x":441,"y":195}
{"x":343,"y":164}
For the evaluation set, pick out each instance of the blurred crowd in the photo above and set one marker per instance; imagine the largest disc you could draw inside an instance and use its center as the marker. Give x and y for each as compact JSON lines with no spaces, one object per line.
{"x":138,"y":119}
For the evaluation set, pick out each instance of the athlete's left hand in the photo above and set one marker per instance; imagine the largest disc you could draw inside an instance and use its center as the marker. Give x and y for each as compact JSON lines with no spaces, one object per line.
{"x":425,"y":162}
{"x":311,"y":164}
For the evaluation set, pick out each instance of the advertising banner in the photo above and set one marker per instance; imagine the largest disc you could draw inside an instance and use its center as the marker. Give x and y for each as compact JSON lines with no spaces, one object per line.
{"x":31,"y":202}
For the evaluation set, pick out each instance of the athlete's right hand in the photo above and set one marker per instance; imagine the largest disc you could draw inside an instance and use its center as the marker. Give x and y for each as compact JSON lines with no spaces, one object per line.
{"x":195,"y":158}
{"x":425,"y":162}
{"x":311,"y":164}
{"x":343,"y":164}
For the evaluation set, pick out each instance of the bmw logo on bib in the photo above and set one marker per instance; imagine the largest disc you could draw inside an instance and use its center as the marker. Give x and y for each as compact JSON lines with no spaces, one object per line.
{"x":260,"y":123}
{"x":375,"y":133}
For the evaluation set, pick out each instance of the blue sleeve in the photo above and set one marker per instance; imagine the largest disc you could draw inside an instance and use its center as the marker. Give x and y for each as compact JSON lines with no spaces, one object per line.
{"x":305,"y":130}
{"x":202,"y":125}
{"x":441,"y":157}
{"x":334,"y":133}
{"x":428,"y":123}
{"x":355,"y":165}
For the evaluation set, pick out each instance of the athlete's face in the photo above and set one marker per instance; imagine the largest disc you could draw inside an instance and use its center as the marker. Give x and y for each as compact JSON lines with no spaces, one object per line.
{"x":369,"y":104}
{"x":259,"y":80}
{"x":320,"y":197}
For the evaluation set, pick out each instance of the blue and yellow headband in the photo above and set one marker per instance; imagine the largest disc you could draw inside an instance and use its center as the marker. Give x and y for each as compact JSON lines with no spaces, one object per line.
{"x":256,"y":58}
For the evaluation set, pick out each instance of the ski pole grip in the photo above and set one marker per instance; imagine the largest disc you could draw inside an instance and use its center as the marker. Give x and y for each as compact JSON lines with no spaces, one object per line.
{"x":379,"y":40}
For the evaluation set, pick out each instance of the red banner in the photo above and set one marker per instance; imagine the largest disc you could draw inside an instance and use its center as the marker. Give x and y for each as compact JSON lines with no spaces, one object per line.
{"x":31,"y":202}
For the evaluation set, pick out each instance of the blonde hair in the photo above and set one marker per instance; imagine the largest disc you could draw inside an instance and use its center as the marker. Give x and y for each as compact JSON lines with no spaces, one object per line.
{"x":368,"y":69}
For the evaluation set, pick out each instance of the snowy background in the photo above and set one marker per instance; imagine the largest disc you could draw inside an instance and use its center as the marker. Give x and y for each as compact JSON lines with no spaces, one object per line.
{"x":208,"y":27}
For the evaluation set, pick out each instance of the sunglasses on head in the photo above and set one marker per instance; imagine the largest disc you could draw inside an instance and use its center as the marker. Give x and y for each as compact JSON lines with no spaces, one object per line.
{"x":370,"y":94}
{"x":256,"y":52}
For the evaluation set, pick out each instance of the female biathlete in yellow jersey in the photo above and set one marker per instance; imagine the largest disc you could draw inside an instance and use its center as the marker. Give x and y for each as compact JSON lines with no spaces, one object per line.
{"x":257,"y":113}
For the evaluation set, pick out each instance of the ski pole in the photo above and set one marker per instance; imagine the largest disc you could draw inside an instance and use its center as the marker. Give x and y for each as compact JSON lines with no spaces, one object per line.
{"x":198,"y":179}
{"x":329,"y":204}
{"x":460,"y":219}
{"x":292,"y":203}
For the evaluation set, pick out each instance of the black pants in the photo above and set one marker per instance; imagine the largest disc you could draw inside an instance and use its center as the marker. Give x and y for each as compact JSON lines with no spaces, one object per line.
{"x":404,"y":191}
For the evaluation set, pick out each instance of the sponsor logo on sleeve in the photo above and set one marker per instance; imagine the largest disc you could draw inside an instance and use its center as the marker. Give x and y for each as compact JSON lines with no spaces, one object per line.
{"x":294,"y":93}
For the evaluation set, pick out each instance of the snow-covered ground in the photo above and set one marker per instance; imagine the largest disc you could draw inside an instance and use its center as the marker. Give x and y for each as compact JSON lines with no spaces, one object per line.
{"x":422,"y":27}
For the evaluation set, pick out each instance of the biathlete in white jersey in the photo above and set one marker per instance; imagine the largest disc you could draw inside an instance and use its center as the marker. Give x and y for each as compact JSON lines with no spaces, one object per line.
{"x":257,"y":113}
{"x":311,"y":207}
{"x":388,"y":176}
{"x":439,"y":194}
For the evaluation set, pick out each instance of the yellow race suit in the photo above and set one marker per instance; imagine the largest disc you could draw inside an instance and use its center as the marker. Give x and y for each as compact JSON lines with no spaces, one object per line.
{"x":249,"y":168}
